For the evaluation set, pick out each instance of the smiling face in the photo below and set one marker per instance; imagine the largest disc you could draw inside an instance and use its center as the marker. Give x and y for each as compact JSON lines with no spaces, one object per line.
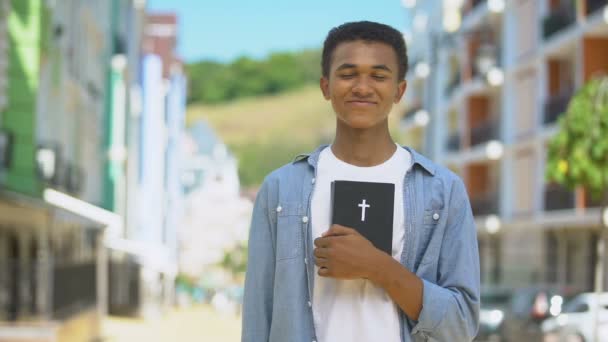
{"x":363,"y":83}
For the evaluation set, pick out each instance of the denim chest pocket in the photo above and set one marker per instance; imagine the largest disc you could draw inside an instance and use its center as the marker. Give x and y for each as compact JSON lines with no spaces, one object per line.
{"x":290,"y":217}
{"x":430,"y":237}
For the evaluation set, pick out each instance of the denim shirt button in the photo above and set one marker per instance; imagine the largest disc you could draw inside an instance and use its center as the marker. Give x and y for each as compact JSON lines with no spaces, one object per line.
{"x":309,"y":304}
{"x":305,"y":219}
{"x":279,"y":208}
{"x":312,"y":181}
{"x":306,"y":261}
{"x":435,"y":216}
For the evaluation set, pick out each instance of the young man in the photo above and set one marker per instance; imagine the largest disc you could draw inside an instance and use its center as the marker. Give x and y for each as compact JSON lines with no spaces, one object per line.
{"x":308,"y":280}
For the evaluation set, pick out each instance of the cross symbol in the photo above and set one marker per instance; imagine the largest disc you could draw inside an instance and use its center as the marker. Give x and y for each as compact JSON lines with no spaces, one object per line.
{"x":363,"y":205}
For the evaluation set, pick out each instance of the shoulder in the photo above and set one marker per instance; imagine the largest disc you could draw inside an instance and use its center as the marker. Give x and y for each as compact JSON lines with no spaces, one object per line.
{"x":434,"y":170}
{"x":292,"y":175}
{"x":439,"y":180}
{"x":288,"y":172}
{"x":448,"y":177}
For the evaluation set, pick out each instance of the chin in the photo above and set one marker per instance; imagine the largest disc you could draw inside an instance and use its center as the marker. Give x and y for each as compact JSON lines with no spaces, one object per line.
{"x":359,"y":122}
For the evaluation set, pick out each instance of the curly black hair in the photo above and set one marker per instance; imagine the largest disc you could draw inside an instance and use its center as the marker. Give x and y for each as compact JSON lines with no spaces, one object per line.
{"x":367,"y":31}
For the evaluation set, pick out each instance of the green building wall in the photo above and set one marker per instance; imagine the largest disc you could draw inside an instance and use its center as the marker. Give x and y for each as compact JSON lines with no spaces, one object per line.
{"x":25,"y":43}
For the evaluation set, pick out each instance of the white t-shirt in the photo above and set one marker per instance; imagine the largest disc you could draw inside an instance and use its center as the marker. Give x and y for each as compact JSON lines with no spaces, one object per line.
{"x":356,"y":310}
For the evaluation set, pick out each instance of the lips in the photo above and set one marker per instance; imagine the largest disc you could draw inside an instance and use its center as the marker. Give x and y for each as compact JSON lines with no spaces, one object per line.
{"x":361,"y":103}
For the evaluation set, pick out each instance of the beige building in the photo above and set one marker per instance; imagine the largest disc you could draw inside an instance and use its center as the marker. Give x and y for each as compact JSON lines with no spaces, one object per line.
{"x":485,"y":100}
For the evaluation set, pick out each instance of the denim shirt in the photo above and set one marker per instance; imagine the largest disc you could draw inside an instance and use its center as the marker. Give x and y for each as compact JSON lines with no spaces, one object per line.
{"x":440,"y":247}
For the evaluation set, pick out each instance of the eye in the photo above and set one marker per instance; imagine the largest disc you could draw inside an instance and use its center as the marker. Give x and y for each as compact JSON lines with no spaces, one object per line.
{"x":346,"y":76}
{"x":379,"y":77}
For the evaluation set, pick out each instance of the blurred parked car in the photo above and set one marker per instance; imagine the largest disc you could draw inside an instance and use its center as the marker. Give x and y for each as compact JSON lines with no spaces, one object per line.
{"x":577,"y":319}
{"x":494,"y":306}
{"x":529,"y":307}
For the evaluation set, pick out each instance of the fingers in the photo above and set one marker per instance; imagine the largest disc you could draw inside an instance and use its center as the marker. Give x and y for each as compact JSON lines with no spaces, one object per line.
{"x":320,"y":242}
{"x":321,"y":252}
{"x":337,"y":229}
{"x":322,"y":262}
{"x":323,"y":242}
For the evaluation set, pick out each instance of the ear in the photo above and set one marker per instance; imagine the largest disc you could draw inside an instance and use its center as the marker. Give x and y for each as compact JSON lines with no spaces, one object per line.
{"x":400,"y":90}
{"x":324,"y":84}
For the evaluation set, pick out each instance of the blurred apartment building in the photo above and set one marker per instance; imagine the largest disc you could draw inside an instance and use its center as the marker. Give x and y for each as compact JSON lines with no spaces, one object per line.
{"x":216,"y":217}
{"x":487,"y":82}
{"x":85,"y":113}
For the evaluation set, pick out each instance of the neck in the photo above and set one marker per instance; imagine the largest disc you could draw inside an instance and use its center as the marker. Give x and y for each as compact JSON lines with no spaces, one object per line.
{"x":363,"y":147}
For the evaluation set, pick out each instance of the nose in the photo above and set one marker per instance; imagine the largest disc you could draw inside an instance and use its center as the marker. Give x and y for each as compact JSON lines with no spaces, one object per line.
{"x":362,"y":88}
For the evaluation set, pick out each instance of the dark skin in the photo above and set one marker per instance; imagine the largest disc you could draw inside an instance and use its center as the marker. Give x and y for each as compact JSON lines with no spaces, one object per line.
{"x":363,"y":85}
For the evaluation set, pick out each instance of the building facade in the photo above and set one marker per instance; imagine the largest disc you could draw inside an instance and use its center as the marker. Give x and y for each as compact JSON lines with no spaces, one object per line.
{"x":51,"y":228}
{"x":501,"y":80}
{"x":70,"y":166}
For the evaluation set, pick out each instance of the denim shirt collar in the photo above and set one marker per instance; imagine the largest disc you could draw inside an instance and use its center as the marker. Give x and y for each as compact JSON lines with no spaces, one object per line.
{"x":417,"y":159}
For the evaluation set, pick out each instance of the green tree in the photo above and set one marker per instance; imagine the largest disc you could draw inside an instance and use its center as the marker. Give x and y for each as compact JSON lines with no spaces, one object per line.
{"x":578,"y":156}
{"x":212,"y":82}
{"x":235,"y":260}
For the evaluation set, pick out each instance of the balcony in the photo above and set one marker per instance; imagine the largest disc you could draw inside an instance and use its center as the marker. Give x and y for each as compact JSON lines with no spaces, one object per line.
{"x":558,"y":198}
{"x":124,"y":287}
{"x":559,"y":19}
{"x":484,"y":132}
{"x":486,"y":57}
{"x":67,"y":289}
{"x":74,"y":288}
{"x":594,"y":5}
{"x":486,"y":204}
{"x":556,"y":106}
{"x":453,"y":142}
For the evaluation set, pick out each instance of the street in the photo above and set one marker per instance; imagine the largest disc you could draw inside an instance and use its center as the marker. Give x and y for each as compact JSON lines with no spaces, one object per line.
{"x":199,"y":323}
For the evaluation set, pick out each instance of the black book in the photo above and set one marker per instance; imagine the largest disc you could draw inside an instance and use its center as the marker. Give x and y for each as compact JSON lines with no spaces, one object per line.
{"x":367,"y":207}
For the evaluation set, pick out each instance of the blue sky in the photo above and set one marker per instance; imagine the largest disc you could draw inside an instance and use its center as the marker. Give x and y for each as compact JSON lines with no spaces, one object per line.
{"x":225,"y":29}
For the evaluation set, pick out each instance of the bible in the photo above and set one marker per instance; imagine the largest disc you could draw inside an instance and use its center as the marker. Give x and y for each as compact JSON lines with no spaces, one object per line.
{"x":366,"y":207}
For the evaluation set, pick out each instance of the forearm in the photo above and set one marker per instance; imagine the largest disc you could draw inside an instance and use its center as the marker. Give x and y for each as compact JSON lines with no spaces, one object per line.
{"x":403,"y":286}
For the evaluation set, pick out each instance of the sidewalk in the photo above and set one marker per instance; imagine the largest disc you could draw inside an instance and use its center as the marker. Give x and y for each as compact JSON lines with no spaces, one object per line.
{"x":200,"y":323}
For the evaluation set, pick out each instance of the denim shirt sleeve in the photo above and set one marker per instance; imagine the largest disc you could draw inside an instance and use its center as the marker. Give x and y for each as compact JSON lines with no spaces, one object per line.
{"x":450,"y":308}
{"x":259,"y":278}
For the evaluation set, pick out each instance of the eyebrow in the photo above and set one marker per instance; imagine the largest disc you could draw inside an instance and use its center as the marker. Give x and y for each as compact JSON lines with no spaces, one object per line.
{"x":350,"y":66}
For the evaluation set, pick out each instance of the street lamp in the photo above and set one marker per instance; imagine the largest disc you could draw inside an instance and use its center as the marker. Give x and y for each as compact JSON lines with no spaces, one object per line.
{"x":496,"y":6}
{"x":452,"y":21}
{"x":46,"y":159}
{"x":494,"y":150}
{"x":420,"y":22}
{"x":422,"y":70}
{"x":422,"y":118}
{"x":492,"y":224}
{"x":486,"y":57}
{"x":495,"y":77}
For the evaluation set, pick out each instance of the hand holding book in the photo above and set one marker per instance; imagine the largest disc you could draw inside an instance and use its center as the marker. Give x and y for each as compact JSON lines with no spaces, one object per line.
{"x":361,"y":232}
{"x":343,"y":253}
